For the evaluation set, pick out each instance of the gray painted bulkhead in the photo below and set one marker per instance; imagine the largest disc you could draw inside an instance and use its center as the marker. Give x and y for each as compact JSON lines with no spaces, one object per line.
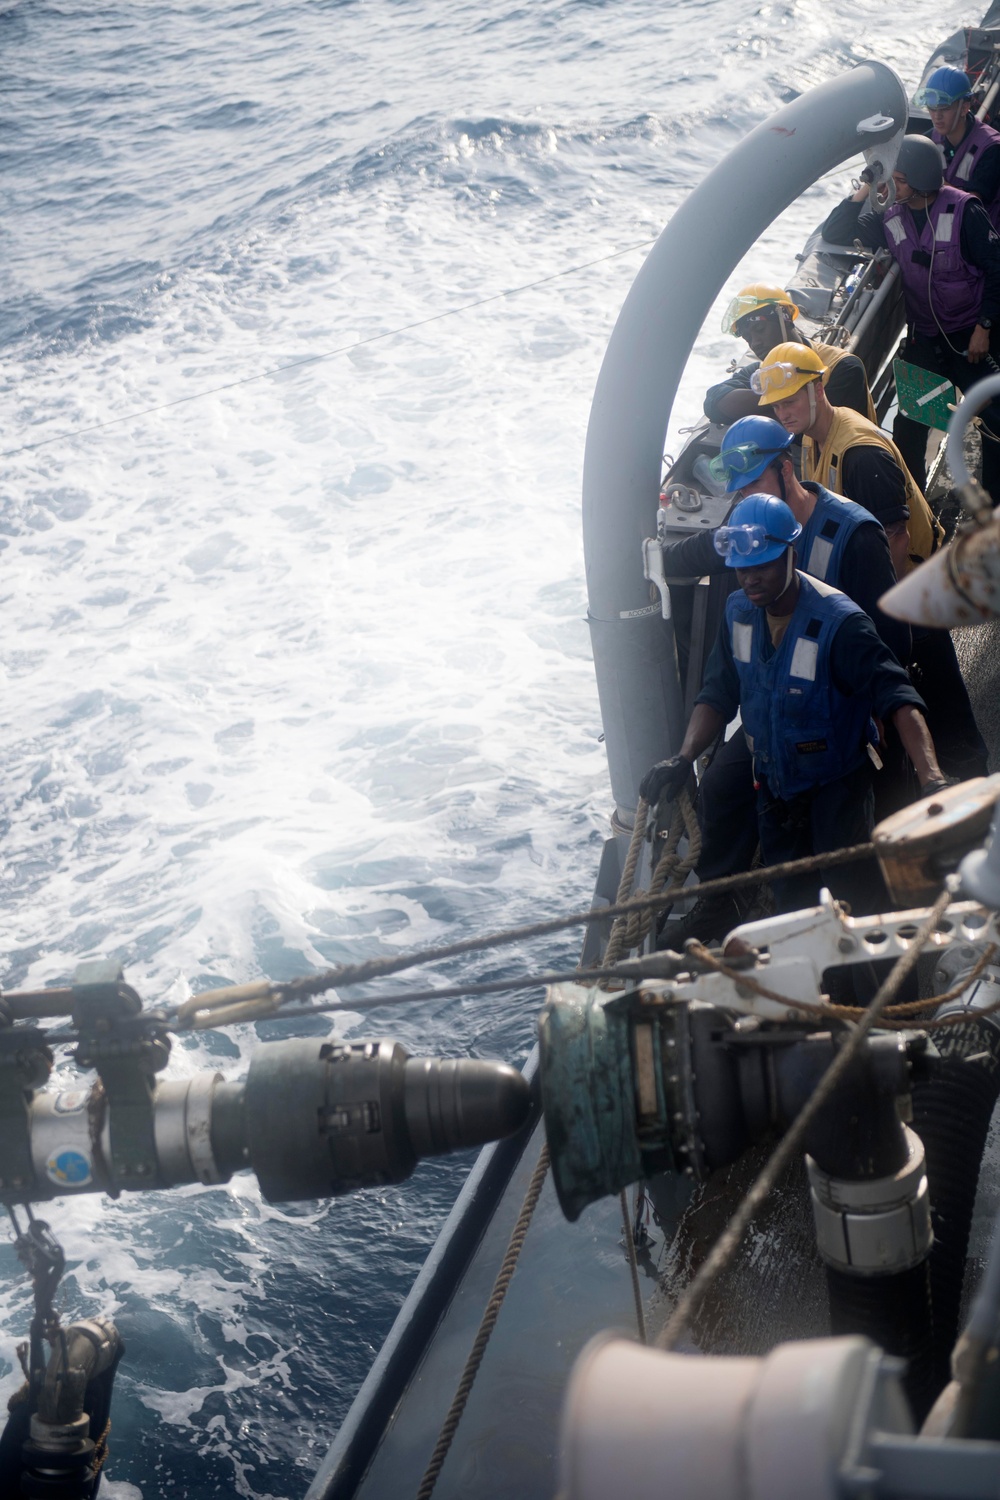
{"x":634,"y":658}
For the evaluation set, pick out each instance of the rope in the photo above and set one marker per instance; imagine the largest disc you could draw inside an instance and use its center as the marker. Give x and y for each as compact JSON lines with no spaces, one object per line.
{"x":616,"y":942}
{"x":504,"y":1277}
{"x":728,"y":1242}
{"x":638,"y":970}
{"x":378,"y":968}
{"x":101,"y":1448}
{"x":629,"y":931}
{"x":633,"y":1266}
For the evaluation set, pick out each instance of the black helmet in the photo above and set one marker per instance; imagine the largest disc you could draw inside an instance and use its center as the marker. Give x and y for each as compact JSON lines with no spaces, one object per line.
{"x":921,"y":162}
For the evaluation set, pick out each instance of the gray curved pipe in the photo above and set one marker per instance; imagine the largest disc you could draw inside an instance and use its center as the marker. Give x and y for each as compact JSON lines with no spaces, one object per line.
{"x":633,"y":646}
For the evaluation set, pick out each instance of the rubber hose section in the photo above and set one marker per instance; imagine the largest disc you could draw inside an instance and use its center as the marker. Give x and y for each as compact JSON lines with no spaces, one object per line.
{"x":952,"y":1109}
{"x":894,"y":1311}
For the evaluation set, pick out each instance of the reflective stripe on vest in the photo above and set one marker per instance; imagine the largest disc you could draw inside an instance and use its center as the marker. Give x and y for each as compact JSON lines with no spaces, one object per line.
{"x":742,"y":641}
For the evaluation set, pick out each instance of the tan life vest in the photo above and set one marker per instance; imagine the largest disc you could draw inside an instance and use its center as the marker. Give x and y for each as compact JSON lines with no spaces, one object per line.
{"x":850,"y":430}
{"x":831,"y":355}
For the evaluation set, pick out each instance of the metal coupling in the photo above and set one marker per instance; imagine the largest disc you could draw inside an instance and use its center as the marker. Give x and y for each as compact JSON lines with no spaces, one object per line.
{"x":876,"y":1226}
{"x":183,"y":1129}
{"x":61,"y":1437}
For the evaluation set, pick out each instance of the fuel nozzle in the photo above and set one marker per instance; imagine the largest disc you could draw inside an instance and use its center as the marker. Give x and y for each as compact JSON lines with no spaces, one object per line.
{"x":316,"y":1117}
{"x":313,"y":1118}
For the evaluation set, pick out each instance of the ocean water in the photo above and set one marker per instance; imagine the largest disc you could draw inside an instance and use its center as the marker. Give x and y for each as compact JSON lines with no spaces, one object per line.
{"x":294,"y":660}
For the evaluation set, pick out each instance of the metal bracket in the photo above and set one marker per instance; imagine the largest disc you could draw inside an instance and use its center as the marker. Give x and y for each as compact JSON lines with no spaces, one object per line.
{"x":795,"y":949}
{"x":25,"y":1064}
{"x":127,"y":1048}
{"x":791,"y":952}
{"x":652,"y":568}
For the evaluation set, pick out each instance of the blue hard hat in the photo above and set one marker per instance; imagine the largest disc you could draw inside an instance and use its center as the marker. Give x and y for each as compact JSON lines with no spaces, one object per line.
{"x":759,"y":530}
{"x":747,"y":449}
{"x":944,"y":86}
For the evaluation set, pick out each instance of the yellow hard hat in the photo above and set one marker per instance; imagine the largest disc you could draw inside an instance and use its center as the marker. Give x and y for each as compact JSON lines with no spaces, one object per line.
{"x":784,"y":371}
{"x":751,"y":299}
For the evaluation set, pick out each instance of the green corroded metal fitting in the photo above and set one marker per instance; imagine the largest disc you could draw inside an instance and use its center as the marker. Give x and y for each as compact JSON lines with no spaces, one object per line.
{"x":588,"y":1095}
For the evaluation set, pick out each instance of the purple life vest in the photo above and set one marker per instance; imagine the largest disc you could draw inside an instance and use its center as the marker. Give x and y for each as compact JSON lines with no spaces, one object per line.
{"x":955,"y":287}
{"x":968,"y":154}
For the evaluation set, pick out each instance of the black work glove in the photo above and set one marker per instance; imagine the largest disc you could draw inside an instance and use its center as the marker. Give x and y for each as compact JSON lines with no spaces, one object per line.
{"x":937,"y":784}
{"x":667,"y":776}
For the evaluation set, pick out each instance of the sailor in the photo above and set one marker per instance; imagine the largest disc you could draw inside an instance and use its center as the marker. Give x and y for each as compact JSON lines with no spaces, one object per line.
{"x":971,"y":148}
{"x":765,"y":315}
{"x":949,"y":260}
{"x":806,"y":670}
{"x":841,"y":544}
{"x":846,"y":453}
{"x":850,"y":455}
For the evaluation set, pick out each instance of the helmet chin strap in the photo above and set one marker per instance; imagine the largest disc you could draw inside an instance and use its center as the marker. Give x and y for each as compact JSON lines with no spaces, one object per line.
{"x":811,"y":388}
{"x":789,"y":568}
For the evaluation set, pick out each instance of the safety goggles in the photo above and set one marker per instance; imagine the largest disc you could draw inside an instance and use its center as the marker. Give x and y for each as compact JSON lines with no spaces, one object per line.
{"x":739,"y":460}
{"x":743,"y":541}
{"x":936,"y":99}
{"x":768,"y":378}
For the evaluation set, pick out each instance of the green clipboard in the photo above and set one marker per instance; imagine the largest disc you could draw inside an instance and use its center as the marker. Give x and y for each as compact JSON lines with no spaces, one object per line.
{"x":924,"y":396}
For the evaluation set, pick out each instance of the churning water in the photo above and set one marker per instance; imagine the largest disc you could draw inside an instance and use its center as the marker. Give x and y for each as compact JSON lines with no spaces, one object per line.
{"x":295,"y":666}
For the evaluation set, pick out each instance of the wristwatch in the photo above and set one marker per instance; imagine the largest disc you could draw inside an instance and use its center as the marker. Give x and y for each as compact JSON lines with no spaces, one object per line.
{"x":986,"y":323}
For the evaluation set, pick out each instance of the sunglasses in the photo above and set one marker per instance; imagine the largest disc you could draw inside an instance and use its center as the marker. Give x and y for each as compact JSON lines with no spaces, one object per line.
{"x":753,"y":320}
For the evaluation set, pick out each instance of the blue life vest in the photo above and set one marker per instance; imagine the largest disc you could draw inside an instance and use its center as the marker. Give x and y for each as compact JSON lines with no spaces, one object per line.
{"x":820,"y":548}
{"x":802,"y":731}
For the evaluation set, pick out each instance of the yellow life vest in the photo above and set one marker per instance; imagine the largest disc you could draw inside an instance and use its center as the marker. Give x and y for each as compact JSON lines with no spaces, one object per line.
{"x":831,"y":355}
{"x":851,"y":430}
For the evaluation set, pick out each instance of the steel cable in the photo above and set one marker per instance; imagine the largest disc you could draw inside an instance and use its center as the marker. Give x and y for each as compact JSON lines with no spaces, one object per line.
{"x":345,"y":975}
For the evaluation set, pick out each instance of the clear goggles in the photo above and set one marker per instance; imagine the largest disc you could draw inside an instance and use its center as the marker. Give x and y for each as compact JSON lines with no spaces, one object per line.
{"x":768,"y":378}
{"x":936,"y":99}
{"x":740,"y":460}
{"x":743,"y":541}
{"x":742,"y":307}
